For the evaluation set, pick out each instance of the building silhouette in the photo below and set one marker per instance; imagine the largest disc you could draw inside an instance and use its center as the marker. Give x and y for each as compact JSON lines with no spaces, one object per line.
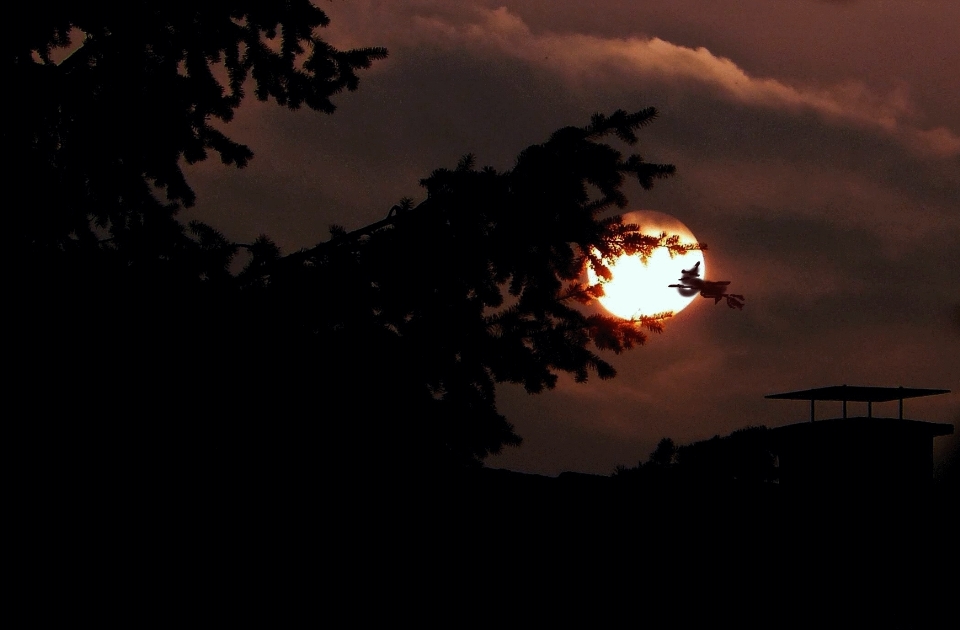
{"x":863,"y":456}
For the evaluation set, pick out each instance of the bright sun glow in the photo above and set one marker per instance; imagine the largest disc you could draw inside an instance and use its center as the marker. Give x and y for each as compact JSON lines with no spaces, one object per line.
{"x":638,"y":289}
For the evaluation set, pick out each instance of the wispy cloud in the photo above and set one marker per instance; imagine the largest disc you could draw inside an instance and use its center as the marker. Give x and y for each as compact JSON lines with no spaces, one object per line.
{"x":579,"y":56}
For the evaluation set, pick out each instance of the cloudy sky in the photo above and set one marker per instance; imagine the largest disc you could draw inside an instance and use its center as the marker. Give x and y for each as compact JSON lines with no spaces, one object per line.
{"x":817,"y":146}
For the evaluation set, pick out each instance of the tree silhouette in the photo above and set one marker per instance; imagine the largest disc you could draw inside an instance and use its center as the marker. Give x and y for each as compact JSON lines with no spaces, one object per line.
{"x":387,"y":342}
{"x":98,"y":134}
{"x":744,"y":456}
{"x":665,"y":454}
{"x":133,"y":345}
{"x":480,"y":284}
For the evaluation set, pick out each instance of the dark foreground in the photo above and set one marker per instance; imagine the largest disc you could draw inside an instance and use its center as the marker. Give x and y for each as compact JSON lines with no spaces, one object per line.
{"x":120,"y":541}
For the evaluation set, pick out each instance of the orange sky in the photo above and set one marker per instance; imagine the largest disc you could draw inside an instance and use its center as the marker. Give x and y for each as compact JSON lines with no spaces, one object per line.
{"x":817,"y":145}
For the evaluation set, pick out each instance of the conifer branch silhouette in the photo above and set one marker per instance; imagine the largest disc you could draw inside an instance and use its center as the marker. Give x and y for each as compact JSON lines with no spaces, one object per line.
{"x":102,"y":133}
{"x":431,"y":307}
{"x":527,"y":235}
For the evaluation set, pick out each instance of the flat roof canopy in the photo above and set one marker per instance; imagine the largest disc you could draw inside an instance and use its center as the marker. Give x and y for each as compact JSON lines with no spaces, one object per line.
{"x":853,"y":393}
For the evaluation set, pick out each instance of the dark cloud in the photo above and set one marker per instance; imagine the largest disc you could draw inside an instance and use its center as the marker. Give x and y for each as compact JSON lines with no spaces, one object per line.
{"x":802,"y":162}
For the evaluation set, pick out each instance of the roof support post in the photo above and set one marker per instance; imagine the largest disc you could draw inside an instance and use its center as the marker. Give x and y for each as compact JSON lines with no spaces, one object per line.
{"x":846,"y":393}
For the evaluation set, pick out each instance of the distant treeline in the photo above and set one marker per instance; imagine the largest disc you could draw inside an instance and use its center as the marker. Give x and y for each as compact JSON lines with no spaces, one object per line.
{"x":744,"y":456}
